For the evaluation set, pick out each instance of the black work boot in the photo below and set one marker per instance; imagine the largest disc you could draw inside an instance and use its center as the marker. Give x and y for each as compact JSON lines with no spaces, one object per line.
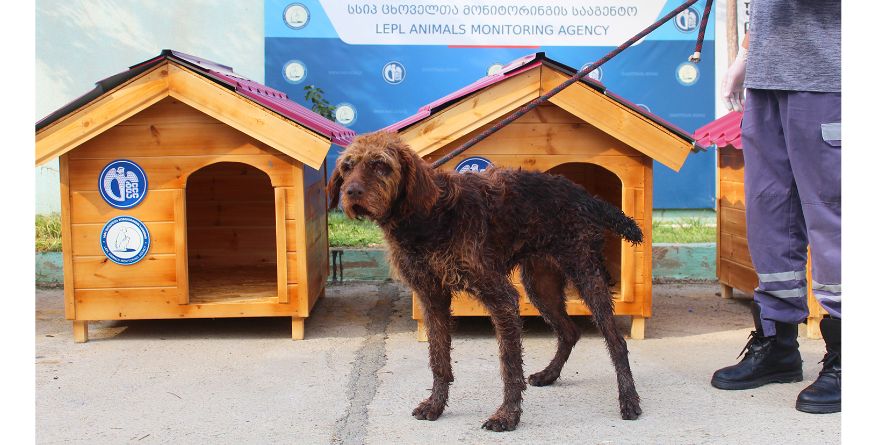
{"x":774,"y":359}
{"x":823,"y":395}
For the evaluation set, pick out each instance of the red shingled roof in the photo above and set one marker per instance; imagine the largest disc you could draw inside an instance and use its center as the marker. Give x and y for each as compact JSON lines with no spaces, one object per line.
{"x":267,"y":97}
{"x":519,"y":66}
{"x":721,"y":132}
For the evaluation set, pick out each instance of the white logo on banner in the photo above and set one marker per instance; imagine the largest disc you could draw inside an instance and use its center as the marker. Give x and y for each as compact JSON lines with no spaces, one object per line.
{"x":687,"y":20}
{"x":393,"y":73}
{"x":494,"y":68}
{"x":596,"y":74}
{"x":295,"y":71}
{"x":296,"y":16}
{"x":492,"y":22}
{"x":345,"y":114}
{"x":687,"y":73}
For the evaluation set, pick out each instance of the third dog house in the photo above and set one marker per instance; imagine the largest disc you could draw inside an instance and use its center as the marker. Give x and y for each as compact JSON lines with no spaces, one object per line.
{"x":597,"y":139}
{"x":734,"y":266}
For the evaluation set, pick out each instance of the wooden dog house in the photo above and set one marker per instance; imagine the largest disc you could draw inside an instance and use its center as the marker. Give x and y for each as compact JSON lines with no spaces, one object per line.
{"x":734,"y":267}
{"x":585,"y":133}
{"x":229,"y":207}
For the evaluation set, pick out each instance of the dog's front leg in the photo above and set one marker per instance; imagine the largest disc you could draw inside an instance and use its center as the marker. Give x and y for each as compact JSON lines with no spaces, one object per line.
{"x":501,"y":301}
{"x":437,"y":320}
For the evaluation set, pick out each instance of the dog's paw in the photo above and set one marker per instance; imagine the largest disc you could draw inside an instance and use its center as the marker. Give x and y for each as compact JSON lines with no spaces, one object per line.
{"x":428,"y":410}
{"x":630,"y":409}
{"x":543,"y":378}
{"x":502,"y":421}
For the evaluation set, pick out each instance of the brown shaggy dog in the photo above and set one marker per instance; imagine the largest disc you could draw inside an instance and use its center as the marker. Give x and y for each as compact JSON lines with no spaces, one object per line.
{"x":466,"y":232}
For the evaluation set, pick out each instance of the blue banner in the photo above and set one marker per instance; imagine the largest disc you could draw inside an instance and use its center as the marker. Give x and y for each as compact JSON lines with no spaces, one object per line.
{"x":379,"y":61}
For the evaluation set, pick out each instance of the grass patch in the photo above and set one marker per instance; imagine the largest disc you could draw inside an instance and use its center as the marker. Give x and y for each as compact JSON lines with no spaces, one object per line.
{"x":344,"y":232}
{"x":683,"y":230}
{"x":48,"y":237}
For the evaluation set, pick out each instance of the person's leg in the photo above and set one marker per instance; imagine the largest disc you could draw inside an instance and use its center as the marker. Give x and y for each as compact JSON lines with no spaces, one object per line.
{"x":814,"y":144}
{"x":776,"y":229}
{"x":777,"y":243}
{"x":813,"y":139}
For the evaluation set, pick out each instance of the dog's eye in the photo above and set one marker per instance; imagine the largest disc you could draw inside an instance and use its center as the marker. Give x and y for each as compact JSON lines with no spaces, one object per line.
{"x":345,"y":167}
{"x":380,"y":167}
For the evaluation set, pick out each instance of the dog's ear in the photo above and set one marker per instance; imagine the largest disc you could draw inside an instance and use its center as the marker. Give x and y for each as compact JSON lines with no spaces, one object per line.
{"x":333,"y":188}
{"x":418,"y":178}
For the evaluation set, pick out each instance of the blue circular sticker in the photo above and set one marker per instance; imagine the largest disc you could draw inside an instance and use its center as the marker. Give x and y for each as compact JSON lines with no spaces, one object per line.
{"x":125,"y":240}
{"x":123,"y":184}
{"x":475,"y":164}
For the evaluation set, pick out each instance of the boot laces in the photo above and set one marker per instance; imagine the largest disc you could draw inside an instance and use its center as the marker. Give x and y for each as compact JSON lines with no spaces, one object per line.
{"x":830,"y":363}
{"x":756,"y":344}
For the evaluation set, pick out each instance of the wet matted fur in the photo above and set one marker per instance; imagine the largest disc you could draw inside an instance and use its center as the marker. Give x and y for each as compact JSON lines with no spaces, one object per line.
{"x":450,"y":232}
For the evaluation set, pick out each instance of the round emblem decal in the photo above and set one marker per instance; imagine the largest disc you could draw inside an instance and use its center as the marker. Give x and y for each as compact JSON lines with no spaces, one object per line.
{"x":294,"y":71}
{"x":125,"y":240}
{"x":123,"y":184}
{"x":475,"y":164}
{"x":494,"y":68}
{"x":687,"y":21}
{"x":393,"y":72}
{"x":596,"y":74}
{"x":296,"y":16}
{"x":687,"y":74}
{"x":345,"y":114}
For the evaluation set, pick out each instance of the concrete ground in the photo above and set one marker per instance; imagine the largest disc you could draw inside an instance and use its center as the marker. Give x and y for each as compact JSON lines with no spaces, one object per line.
{"x":359,"y":372}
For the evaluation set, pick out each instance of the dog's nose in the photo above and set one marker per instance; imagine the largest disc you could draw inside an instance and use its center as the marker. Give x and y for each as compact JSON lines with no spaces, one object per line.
{"x":354,"y":191}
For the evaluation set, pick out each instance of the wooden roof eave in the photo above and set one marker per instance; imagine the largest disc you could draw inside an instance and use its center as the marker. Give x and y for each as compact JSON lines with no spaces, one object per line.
{"x":472,"y":112}
{"x":617,"y":120}
{"x":101,"y":114}
{"x":248,"y":117}
{"x":171,"y":80}
{"x":581,"y":100}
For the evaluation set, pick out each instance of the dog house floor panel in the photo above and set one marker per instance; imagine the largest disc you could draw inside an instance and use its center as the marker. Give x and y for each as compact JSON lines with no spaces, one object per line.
{"x":256,"y":284}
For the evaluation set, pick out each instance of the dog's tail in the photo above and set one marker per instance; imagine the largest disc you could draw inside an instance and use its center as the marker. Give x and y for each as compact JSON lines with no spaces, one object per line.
{"x":612,"y":218}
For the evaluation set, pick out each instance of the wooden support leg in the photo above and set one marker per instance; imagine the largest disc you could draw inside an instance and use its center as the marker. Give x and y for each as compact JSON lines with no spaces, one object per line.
{"x":81,"y":331}
{"x":638,"y":328}
{"x":421,"y":333}
{"x":298,"y":328}
{"x":813,"y":328}
{"x":725,"y":291}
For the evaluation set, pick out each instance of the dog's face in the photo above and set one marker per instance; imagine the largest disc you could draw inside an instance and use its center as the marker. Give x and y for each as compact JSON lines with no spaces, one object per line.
{"x":378,"y":172}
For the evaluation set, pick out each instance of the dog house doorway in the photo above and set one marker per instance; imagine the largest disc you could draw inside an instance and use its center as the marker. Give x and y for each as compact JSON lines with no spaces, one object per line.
{"x":231,"y":235}
{"x":604,"y":184}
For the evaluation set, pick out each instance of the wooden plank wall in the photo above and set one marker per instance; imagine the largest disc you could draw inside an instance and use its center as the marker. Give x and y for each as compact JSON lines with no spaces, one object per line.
{"x":316,"y":234}
{"x":551,"y":139}
{"x":734,"y":266}
{"x":169,"y":141}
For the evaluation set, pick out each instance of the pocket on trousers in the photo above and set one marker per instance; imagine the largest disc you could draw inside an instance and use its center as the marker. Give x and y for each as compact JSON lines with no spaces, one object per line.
{"x":830,"y":132}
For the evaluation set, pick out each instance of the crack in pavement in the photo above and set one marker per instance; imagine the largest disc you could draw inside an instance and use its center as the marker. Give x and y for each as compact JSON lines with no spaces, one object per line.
{"x":363,"y":380}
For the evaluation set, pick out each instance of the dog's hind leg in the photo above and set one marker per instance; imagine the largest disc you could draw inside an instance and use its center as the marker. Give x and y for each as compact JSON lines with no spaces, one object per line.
{"x":436,"y":308}
{"x":500,"y":299}
{"x":595,"y":292}
{"x":544,"y":284}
